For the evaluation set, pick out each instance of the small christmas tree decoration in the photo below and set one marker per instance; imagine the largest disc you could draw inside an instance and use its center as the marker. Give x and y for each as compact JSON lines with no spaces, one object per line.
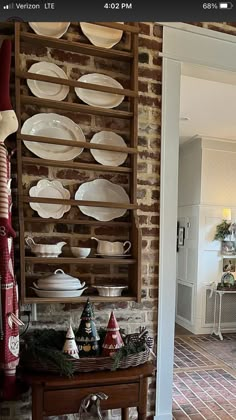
{"x":113,"y":340}
{"x":70,"y":346}
{"x":87,"y":336}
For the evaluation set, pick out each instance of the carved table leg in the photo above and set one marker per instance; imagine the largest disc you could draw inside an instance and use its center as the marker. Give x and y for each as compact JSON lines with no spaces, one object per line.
{"x":125,"y":414}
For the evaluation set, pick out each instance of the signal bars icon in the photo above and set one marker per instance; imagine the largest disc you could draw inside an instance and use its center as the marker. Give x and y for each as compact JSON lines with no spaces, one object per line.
{"x":9,"y":6}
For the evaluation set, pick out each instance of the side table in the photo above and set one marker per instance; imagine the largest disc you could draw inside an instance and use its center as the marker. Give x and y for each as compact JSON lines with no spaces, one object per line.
{"x":55,"y":395}
{"x":217,"y":319}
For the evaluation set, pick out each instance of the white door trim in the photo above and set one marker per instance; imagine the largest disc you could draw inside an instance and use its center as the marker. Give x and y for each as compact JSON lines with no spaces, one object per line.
{"x":181,"y":44}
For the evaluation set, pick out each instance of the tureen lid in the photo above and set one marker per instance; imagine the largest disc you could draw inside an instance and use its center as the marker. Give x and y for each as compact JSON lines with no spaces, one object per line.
{"x":59,"y":274}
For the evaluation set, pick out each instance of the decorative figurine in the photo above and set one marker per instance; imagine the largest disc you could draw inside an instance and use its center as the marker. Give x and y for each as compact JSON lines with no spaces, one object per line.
{"x":70,"y":346}
{"x":87,"y":336}
{"x":113,"y":340}
{"x":90,"y":407}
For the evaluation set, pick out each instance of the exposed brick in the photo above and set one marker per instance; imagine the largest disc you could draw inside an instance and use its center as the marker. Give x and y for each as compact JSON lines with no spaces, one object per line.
{"x":143,"y":87}
{"x":155,"y":194}
{"x":154,"y":220}
{"x":69,"y":57}
{"x":149,"y":101}
{"x":154,"y":231}
{"x":157,"y":30}
{"x":144,"y":28}
{"x":157,"y":61}
{"x":156,"y":88}
{"x":141,"y":194}
{"x":151,"y":44}
{"x":35,"y":170}
{"x":73,"y":174}
{"x":142,"y":167}
{"x":154,"y":244}
{"x":142,"y":142}
{"x":149,"y":73}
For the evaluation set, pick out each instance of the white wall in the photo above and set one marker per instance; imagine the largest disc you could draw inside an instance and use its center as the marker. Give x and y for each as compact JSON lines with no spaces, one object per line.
{"x":211,"y":173}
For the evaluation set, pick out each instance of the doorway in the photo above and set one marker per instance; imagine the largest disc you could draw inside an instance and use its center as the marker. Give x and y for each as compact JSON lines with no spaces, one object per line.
{"x":185,"y":49}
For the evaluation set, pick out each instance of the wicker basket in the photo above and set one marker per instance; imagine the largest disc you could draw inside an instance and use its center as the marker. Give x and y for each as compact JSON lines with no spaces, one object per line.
{"x":90,"y":364}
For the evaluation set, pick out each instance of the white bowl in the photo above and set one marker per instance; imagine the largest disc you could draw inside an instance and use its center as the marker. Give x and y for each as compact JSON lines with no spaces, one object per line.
{"x":80,"y":252}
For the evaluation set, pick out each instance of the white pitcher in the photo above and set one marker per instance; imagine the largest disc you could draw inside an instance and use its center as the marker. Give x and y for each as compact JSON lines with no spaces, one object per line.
{"x":112,"y":248}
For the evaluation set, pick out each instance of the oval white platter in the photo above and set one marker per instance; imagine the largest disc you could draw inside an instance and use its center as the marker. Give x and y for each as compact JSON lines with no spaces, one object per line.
{"x":102,"y":190}
{"x":48,"y":90}
{"x":49,"y":189}
{"x":57,"y":293}
{"x":96,"y":98}
{"x":52,"y":29}
{"x":101,"y":36}
{"x":57,"y":286}
{"x":55,"y":126}
{"x":106,"y":157}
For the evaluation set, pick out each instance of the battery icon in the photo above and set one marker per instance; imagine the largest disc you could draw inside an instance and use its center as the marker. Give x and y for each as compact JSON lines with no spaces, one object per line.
{"x":227,"y":5}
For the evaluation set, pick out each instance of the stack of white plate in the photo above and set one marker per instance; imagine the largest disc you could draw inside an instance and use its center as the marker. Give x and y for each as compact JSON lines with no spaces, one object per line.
{"x":59,"y":284}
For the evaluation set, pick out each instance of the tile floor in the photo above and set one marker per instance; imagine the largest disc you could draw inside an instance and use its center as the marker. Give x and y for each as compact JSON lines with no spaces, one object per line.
{"x":204,"y":386}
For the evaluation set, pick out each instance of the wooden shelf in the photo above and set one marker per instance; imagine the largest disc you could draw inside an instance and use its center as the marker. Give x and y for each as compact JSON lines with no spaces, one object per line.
{"x":127,"y":111}
{"x":86,"y":145}
{"x":73,"y":83}
{"x":72,"y":202}
{"x":81,"y":299}
{"x":82,"y":261}
{"x":76,"y":222}
{"x":76,"y":165}
{"x":76,"y":47}
{"x":75,"y":107}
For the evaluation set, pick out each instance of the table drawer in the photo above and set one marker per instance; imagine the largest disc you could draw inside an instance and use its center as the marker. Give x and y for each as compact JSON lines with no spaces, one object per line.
{"x":68,"y":400}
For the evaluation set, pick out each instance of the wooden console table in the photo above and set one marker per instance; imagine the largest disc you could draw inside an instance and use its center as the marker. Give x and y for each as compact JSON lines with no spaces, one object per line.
{"x":56,"y":395}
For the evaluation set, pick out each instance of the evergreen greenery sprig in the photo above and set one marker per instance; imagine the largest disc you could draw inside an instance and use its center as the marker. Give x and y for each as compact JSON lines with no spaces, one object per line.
{"x":222,"y":230}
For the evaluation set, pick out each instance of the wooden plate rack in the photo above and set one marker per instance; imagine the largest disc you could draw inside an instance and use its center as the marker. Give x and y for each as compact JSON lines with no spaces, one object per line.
{"x":133,"y":263}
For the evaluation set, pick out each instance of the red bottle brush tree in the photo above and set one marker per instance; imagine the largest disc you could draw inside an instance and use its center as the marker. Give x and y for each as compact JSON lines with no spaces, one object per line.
{"x":113,"y":340}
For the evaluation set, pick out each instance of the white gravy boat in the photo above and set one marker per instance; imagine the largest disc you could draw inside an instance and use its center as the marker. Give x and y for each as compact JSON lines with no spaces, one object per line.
{"x":112,"y":248}
{"x":45,"y":250}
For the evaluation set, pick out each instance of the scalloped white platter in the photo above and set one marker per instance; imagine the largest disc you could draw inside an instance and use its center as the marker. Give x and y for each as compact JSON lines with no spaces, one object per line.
{"x":96,"y":98}
{"x":51,"y":29}
{"x":102,"y":190}
{"x":101,"y":36}
{"x":106,"y":157}
{"x":49,"y":189}
{"x":48,"y":90}
{"x":57,"y":293}
{"x":55,"y":126}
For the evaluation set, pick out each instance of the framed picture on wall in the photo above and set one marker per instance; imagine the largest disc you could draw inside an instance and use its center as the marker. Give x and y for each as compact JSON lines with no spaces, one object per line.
{"x":229,"y":264}
{"x":228,"y":248}
{"x":181,"y":236}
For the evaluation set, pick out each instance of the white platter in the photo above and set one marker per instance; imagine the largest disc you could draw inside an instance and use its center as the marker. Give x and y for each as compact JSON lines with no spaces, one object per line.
{"x":106,"y":157}
{"x":55,"y":126}
{"x":58,"y":287}
{"x":49,"y":189}
{"x":101,"y":36}
{"x":96,"y":98}
{"x":58,"y":293}
{"x":102,"y":190}
{"x":52,"y":29}
{"x":48,"y":90}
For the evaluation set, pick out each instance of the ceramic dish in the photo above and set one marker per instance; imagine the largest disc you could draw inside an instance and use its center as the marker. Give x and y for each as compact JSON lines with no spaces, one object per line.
{"x":57,"y":287}
{"x":49,"y":189}
{"x":52,"y":29}
{"x":110,"y":290}
{"x":102,"y":190}
{"x":45,"y":250}
{"x":96,"y":98}
{"x":80,"y":252}
{"x":106,"y":157}
{"x":101,"y":36}
{"x":55,"y":126}
{"x":58,"y":293}
{"x":48,"y":90}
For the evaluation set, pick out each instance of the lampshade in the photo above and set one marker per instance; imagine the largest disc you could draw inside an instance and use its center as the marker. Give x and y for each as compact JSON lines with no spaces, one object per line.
{"x":226,"y":214}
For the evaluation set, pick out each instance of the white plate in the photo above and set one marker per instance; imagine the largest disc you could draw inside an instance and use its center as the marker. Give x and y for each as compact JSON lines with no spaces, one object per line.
{"x":58,"y":293}
{"x":113,"y":256}
{"x":55,"y":126}
{"x":53,"y":29}
{"x":96,"y":98}
{"x":49,"y":189}
{"x":100,"y":35}
{"x":57,"y":287}
{"x":48,"y":90}
{"x":102,"y":190}
{"x":106,"y":157}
